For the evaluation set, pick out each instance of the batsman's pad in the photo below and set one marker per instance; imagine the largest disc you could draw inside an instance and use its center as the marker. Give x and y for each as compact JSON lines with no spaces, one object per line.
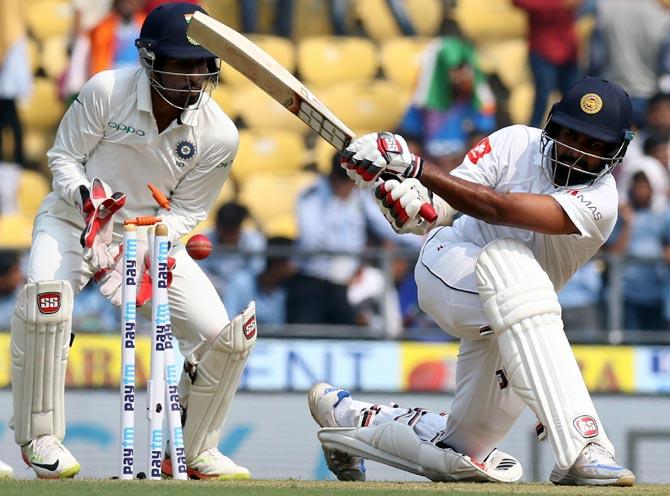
{"x":41,"y":330}
{"x":214,"y":379}
{"x":396,"y":444}
{"x":522,"y":306}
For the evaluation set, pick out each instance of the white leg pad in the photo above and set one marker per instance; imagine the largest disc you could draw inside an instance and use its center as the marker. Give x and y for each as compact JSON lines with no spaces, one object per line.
{"x":41,"y":329}
{"x":396,"y":444}
{"x":214,"y":379}
{"x":522,"y":306}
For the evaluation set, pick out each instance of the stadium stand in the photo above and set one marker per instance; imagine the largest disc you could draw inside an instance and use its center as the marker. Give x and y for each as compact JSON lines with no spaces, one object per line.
{"x":278,"y":152}
{"x":326,"y":60}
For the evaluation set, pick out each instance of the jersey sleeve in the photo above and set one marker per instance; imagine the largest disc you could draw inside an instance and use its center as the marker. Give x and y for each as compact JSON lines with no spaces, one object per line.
{"x":593,"y":210}
{"x":196,"y":193}
{"x":483,"y":164}
{"x":79,"y":132}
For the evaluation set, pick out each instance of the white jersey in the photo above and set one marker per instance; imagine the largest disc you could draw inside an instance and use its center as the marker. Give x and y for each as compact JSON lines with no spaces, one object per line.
{"x":110,"y":132}
{"x":509,"y":160}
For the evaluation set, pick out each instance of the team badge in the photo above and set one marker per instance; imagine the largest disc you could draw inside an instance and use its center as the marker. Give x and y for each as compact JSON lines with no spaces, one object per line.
{"x":479,"y":150}
{"x":185,"y":150}
{"x":591,"y":103}
{"x":188,"y":18}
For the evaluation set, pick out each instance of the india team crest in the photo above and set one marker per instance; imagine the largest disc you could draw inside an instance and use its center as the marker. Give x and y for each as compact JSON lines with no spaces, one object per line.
{"x":185,"y":150}
{"x":591,"y":103}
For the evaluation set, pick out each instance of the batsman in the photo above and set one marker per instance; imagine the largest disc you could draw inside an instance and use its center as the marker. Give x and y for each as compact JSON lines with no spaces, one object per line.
{"x":157,"y":124}
{"x":536,"y":205}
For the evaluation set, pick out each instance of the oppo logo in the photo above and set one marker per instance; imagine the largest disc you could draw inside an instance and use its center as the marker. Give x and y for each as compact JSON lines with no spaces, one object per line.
{"x":48,"y":302}
{"x":125,"y":128}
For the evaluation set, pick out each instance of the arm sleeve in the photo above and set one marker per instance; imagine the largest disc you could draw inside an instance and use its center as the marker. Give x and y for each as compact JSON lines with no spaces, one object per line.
{"x":483,"y":163}
{"x":79,"y":132}
{"x":196,"y":193}
{"x":593,"y":210}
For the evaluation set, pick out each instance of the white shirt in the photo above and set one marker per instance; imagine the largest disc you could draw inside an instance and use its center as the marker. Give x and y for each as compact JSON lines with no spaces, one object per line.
{"x":110,"y":132}
{"x":509,"y":160}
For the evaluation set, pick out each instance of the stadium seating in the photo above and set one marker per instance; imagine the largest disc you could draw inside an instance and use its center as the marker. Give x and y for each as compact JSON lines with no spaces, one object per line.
{"x":401,"y":59}
{"x":43,"y":110}
{"x":490,"y":20}
{"x":259,"y":111}
{"x":378,"y":21}
{"x":54,"y":58}
{"x":278,"y":152}
{"x":49,"y":18}
{"x":32,"y":189}
{"x":283,"y":189}
{"x":15,"y":231}
{"x":367,"y":105}
{"x":324,"y":60}
{"x":425,"y":15}
{"x":507,"y":58}
{"x":223,"y":95}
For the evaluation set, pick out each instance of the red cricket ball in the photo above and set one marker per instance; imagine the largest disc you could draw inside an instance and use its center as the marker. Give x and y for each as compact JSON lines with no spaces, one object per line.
{"x":199,"y":246}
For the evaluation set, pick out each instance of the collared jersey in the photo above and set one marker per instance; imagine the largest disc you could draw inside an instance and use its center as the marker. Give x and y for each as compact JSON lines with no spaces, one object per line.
{"x":510,"y":160}
{"x":110,"y":132}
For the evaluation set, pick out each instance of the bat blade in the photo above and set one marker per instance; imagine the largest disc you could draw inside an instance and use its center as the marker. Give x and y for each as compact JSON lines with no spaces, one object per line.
{"x":265,"y":72}
{"x":270,"y":76}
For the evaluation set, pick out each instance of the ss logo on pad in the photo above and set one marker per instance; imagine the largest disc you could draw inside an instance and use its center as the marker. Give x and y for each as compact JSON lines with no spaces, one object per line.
{"x":48,"y":302}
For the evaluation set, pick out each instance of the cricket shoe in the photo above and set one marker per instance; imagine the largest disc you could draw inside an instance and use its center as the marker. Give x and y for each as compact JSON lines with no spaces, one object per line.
{"x":322,"y":400}
{"x":595,"y":466}
{"x":211,"y":464}
{"x":6,"y":471}
{"x":47,"y":456}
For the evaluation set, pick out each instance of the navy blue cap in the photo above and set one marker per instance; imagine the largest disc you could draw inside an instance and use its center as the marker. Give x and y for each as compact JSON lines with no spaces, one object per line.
{"x":164,"y":32}
{"x":595,"y":107}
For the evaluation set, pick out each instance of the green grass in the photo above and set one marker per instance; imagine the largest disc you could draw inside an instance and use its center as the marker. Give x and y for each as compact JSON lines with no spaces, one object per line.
{"x":303,"y":488}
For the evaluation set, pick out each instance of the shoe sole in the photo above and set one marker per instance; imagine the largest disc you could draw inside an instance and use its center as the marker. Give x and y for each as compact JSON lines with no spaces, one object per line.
{"x":313,"y":398}
{"x":166,"y":471}
{"x":568,"y":480}
{"x":68,"y":473}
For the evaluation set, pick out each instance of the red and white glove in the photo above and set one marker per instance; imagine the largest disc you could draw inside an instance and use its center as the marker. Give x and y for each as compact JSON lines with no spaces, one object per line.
{"x":401,"y":204}
{"x":110,"y":280}
{"x":376,"y":153}
{"x":98,"y":205}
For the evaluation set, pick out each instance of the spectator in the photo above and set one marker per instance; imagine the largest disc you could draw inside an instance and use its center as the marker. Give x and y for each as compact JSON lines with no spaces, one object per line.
{"x":657,"y":146}
{"x":643,"y":232}
{"x":113,"y":39}
{"x":452,"y":100}
{"x":552,"y":49}
{"x":11,"y":281}
{"x":15,"y":76}
{"x":10,"y":176}
{"x":628,"y":44}
{"x":657,"y":123}
{"x":334,"y":216}
{"x":235,"y":247}
{"x":267,"y":289}
{"x":580,"y":301}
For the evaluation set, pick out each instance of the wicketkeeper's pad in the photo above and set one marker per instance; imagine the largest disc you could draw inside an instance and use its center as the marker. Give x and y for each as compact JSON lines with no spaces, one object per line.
{"x":396,"y":444}
{"x":522,"y":306}
{"x":41,"y":330}
{"x":215,"y":376}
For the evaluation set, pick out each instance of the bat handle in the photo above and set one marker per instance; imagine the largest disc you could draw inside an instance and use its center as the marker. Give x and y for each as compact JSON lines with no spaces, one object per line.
{"x":428,"y":213}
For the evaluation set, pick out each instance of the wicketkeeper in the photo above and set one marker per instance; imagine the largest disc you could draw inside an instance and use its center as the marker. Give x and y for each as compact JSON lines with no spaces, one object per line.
{"x":129,"y":127}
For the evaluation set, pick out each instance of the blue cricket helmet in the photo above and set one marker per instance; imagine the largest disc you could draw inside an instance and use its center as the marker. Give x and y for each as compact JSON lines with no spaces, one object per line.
{"x":164,"y":33}
{"x":597,"y":108}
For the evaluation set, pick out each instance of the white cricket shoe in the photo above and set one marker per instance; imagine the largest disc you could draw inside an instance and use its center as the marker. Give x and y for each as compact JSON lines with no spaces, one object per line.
{"x":47,"y":456}
{"x":211,"y":464}
{"x":595,"y":466}
{"x":322,"y":400}
{"x":6,"y":471}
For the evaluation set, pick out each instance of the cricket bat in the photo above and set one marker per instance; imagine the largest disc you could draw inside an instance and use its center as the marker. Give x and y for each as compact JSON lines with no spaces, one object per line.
{"x":270,"y":76}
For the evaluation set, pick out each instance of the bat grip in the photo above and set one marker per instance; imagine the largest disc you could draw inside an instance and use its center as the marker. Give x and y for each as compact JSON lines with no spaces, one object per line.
{"x":426,"y":212}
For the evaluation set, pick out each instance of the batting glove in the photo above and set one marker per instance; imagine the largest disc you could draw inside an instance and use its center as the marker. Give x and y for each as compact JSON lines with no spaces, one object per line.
{"x":98,"y":205}
{"x":401,"y":204}
{"x":376,"y":153}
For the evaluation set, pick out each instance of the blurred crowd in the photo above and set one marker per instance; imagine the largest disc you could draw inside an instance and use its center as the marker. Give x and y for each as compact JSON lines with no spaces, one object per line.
{"x":325,"y":254}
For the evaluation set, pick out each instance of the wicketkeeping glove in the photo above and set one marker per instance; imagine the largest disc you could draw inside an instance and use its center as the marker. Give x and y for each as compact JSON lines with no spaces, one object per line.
{"x":376,"y":153}
{"x":98,"y":205}
{"x":401,"y":204}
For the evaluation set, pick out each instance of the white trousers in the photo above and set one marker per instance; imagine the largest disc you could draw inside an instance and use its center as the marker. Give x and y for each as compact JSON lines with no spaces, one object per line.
{"x":196,"y":310}
{"x":484,"y":408}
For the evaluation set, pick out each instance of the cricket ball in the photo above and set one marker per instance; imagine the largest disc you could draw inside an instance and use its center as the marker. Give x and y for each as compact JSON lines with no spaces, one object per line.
{"x":199,"y":246}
